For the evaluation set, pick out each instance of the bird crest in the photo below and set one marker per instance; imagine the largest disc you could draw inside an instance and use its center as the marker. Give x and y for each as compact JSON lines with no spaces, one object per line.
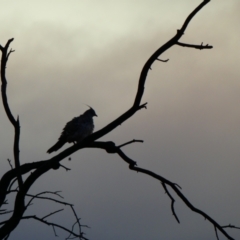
{"x":91,"y":110}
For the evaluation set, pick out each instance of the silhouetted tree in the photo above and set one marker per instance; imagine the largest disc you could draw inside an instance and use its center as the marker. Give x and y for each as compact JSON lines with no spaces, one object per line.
{"x":33,"y":171}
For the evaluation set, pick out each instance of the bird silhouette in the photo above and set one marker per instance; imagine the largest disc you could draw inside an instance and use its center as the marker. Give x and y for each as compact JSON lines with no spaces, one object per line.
{"x":75,"y":130}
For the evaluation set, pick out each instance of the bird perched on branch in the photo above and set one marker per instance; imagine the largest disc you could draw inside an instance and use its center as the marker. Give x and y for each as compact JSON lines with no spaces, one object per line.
{"x":76,"y":130}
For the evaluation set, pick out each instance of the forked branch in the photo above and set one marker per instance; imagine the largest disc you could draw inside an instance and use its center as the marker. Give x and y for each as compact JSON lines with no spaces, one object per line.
{"x":41,"y":167}
{"x":165,"y":182}
{"x":54,"y":225}
{"x":15,"y":123}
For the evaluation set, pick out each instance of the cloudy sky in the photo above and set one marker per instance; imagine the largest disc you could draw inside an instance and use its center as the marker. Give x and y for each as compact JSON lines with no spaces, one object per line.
{"x":72,"y":53}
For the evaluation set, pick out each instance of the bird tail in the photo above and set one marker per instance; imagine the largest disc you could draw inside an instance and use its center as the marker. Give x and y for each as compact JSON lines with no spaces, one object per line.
{"x":56,"y":146}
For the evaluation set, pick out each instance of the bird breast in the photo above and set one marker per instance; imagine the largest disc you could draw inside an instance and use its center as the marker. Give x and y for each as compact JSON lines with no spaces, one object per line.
{"x":83,"y":129}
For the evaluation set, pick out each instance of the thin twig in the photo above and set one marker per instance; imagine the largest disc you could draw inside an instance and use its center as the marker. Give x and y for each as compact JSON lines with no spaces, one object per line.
{"x":200,"y":47}
{"x":52,"y":213}
{"x":158,"y":59}
{"x":37,"y":196}
{"x":10,"y":186}
{"x":9,"y":161}
{"x":7,"y":237}
{"x":53,"y":225}
{"x":67,"y":169}
{"x":230,"y":226}
{"x":127,"y":143}
{"x":11,"y":51}
{"x":216,"y":232}
{"x":5,"y":212}
{"x":54,"y":231}
{"x":172,"y":201}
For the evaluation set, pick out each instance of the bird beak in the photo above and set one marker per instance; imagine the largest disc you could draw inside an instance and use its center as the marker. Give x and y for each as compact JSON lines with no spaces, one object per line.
{"x":96,"y":115}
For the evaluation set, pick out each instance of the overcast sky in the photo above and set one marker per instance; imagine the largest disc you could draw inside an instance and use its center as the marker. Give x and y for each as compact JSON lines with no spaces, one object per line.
{"x":72,"y":53}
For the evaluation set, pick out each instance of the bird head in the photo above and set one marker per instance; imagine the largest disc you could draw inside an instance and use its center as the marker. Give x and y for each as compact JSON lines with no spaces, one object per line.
{"x":91,"y":112}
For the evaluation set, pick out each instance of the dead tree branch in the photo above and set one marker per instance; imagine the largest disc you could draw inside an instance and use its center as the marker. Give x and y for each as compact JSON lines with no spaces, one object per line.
{"x":160,"y":60}
{"x":175,"y":187}
{"x":15,"y":123}
{"x":80,"y":236}
{"x":127,"y":143}
{"x":41,"y":167}
{"x":172,"y":201}
{"x":200,"y":47}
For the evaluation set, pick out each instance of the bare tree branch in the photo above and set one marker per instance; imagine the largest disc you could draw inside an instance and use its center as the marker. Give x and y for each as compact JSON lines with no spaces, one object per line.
{"x":200,"y":47}
{"x":230,"y":226}
{"x":11,"y":51}
{"x":15,"y":123}
{"x":172,"y":201}
{"x":127,"y":143}
{"x":9,"y":161}
{"x":16,"y":151}
{"x":4,"y":211}
{"x":78,"y":223}
{"x":41,"y":167}
{"x":38,"y":196}
{"x":80,"y":236}
{"x":11,"y":185}
{"x":4,"y":81}
{"x":54,"y":231}
{"x":7,"y":237}
{"x":164,"y":181}
{"x":192,"y":14}
{"x":158,"y":59}
{"x":183,"y":198}
{"x":56,"y":193}
{"x":67,"y":169}
{"x":52,"y":213}
{"x":216,"y":232}
{"x":11,"y":174}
